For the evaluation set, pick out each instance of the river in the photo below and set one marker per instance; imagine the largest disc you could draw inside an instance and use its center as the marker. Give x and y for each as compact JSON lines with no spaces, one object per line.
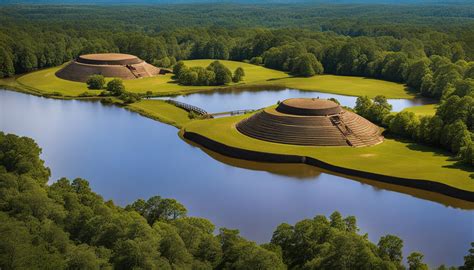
{"x":236,"y":99}
{"x":126,"y":156}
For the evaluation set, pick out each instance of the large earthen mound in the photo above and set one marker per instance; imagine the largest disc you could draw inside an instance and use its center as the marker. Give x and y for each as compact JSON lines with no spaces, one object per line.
{"x":317,"y":122}
{"x":124,"y":66}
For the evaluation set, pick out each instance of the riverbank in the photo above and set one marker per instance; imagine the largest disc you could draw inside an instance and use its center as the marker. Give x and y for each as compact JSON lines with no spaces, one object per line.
{"x":46,"y":83}
{"x":394,"y":161}
{"x":161,"y":111}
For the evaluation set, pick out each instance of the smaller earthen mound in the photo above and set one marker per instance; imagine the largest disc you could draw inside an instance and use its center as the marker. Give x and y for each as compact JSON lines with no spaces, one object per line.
{"x":118,"y":65}
{"x":316,"y":122}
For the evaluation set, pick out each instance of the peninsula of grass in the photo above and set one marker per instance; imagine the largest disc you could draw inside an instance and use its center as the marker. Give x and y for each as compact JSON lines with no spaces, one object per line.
{"x":45,"y":82}
{"x":393,"y":157}
{"x":161,"y":111}
{"x":422,"y":110}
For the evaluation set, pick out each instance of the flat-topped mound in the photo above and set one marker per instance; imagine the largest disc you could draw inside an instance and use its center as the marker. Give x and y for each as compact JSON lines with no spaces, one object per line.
{"x":309,"y":106}
{"x":117,"y":65}
{"x":109,"y":59}
{"x":316,"y":122}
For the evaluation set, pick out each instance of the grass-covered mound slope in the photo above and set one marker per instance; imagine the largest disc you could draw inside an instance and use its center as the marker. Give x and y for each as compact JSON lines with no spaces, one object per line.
{"x":45,"y":82}
{"x":392,"y":157}
{"x":67,"y":225}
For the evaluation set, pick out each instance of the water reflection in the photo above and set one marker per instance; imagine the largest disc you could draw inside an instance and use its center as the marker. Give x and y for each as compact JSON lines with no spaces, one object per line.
{"x":310,"y":173}
{"x":299,"y":171}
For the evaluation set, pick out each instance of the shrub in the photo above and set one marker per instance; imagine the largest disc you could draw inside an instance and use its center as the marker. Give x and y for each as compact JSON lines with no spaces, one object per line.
{"x":86,"y":94}
{"x":239,"y":73}
{"x":404,"y":124}
{"x":116,"y":87}
{"x":105,"y":93}
{"x":177,"y":68}
{"x":95,"y":82}
{"x":256,"y":60}
{"x":307,"y":65}
{"x":128,"y":97}
{"x":107,"y":100}
{"x":223,"y":74}
{"x":164,"y":62}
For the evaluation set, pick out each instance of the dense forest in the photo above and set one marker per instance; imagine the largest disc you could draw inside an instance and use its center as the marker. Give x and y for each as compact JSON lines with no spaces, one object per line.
{"x":66,"y":225}
{"x":427,"y":47}
{"x":35,"y":37}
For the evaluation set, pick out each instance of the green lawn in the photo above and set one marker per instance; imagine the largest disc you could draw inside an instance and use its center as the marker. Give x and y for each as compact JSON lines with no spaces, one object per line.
{"x":392,"y":157}
{"x":161,"y":111}
{"x":45,"y":82}
{"x":423,"y":109}
{"x":348,"y":85}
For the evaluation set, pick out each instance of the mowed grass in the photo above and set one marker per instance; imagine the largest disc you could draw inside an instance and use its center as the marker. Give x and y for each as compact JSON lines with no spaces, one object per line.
{"x":161,"y":111}
{"x":422,"y":110}
{"x":349,"y":86}
{"x":392,"y":157}
{"x":45,"y":82}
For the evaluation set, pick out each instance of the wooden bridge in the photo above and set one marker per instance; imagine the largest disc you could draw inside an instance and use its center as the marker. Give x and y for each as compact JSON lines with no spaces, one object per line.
{"x":199,"y":111}
{"x":187,"y":107}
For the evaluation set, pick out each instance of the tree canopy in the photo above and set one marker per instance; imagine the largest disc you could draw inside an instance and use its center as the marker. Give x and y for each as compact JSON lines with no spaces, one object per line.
{"x":215,"y":74}
{"x":66,"y":225}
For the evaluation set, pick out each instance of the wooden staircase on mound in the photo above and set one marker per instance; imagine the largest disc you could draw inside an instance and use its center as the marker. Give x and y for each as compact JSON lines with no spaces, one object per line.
{"x":138,"y":71}
{"x":351,"y":138}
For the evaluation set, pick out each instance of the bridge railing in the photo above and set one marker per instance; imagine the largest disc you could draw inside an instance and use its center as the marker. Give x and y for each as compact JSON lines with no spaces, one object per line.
{"x":187,"y":107}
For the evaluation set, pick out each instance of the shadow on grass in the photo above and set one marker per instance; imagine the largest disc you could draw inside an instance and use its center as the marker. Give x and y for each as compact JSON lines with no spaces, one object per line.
{"x":282,"y":78}
{"x":174,"y":82}
{"x":457,"y":164}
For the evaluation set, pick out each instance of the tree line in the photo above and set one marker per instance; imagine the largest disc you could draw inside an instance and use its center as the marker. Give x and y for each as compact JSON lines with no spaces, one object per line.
{"x":451,"y":128}
{"x":66,"y":225}
{"x":33,"y":37}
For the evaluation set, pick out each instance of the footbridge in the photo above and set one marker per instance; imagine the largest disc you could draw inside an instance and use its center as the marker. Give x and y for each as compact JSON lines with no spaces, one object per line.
{"x":188,"y":107}
{"x":231,"y":113}
{"x":191,"y":108}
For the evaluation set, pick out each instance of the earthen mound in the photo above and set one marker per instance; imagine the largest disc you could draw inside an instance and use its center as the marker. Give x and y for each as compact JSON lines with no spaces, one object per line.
{"x":317,"y":122}
{"x":124,"y":66}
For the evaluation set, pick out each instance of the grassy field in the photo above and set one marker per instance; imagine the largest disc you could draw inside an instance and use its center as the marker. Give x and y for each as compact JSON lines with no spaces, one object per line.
{"x":161,"y":111}
{"x":348,"y":85}
{"x":423,"y":109}
{"x":392,"y":157}
{"x":45,"y":82}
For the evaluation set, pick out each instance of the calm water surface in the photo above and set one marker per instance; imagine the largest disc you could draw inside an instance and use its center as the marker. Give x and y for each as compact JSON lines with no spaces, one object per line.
{"x":126,"y":157}
{"x":230,"y":100}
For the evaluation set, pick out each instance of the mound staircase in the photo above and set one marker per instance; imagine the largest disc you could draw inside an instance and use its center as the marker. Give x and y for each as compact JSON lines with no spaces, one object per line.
{"x":138,"y":71}
{"x":351,"y":138}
